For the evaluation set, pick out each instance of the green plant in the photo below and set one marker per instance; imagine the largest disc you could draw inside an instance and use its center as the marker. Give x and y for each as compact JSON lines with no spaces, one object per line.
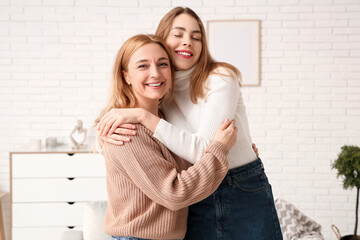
{"x":348,"y":167}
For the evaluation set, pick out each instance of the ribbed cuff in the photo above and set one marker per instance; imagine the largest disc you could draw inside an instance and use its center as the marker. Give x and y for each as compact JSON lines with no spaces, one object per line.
{"x":217,"y":148}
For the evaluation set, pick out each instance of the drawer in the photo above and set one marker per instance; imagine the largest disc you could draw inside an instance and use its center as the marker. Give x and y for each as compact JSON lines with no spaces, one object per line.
{"x":58,"y":190}
{"x":47,"y":214}
{"x":40,"y":233}
{"x":58,"y":165}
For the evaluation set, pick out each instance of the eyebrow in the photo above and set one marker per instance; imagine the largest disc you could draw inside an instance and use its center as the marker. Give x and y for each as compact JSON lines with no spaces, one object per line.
{"x":181,"y":28}
{"x":145,"y":60}
{"x":163,"y":58}
{"x":142,"y":60}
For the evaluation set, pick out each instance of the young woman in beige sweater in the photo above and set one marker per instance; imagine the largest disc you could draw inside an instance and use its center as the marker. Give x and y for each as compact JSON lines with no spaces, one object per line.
{"x":149,"y":189}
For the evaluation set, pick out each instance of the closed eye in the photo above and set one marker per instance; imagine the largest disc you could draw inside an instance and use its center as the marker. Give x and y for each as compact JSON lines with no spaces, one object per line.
{"x":196,"y":37}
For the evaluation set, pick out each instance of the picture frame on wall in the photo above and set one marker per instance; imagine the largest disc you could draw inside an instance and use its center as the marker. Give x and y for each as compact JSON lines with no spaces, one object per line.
{"x":237,"y":42}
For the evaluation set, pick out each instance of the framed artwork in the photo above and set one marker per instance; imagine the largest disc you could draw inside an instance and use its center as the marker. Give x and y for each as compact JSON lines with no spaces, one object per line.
{"x":237,"y":42}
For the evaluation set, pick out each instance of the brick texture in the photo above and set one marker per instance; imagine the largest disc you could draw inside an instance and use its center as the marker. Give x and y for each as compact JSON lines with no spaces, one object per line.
{"x":56,"y":59}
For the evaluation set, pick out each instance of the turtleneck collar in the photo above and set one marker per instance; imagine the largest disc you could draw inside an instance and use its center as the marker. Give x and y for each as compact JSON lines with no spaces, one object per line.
{"x":182,"y":79}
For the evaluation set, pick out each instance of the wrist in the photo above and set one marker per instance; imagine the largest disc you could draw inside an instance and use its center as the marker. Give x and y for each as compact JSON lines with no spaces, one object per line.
{"x":143,"y":114}
{"x":146,"y":118}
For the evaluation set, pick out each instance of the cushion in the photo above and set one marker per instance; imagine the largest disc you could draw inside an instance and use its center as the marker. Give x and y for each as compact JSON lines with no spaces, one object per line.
{"x":94,"y":215}
{"x":294,"y":224}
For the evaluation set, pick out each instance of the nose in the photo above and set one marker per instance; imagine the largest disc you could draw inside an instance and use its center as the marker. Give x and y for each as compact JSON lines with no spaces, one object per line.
{"x":154,"y":71}
{"x":187,"y":41}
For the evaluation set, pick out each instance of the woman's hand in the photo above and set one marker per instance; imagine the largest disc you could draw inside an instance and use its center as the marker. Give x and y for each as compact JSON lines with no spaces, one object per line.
{"x":125,"y":119}
{"x":227,"y":134}
{"x":117,"y":137}
{"x":255,"y":149}
{"x":110,"y":122}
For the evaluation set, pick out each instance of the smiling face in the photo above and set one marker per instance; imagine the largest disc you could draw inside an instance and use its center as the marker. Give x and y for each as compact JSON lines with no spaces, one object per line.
{"x":184,"y":40}
{"x":149,"y":75}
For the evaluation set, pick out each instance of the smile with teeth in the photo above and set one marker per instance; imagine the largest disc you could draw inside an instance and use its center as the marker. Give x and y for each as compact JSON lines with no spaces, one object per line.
{"x":184,"y":53}
{"x":154,"y":84}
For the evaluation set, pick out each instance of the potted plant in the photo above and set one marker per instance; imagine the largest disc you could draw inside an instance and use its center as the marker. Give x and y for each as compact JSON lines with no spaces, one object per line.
{"x":348,"y":167}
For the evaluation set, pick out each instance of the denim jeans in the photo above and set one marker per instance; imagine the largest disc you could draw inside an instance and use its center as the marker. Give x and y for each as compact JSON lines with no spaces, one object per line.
{"x":242,"y":208}
{"x":130,"y":238}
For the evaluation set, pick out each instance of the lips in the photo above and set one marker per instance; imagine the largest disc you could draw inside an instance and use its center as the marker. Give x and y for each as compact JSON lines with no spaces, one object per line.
{"x":155,"y":85}
{"x":184,"y":53}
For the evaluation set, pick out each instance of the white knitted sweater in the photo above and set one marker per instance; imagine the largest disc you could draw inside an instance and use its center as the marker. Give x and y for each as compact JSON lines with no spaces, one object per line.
{"x":190,"y":127}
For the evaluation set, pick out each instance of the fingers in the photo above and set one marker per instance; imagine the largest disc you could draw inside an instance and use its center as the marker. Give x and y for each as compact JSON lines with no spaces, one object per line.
{"x":119,"y":138}
{"x":110,"y":122}
{"x":232,"y":130}
{"x":106,"y":127}
{"x":100,"y":125}
{"x":114,"y":126}
{"x":112,"y":141}
{"x":115,"y":139}
{"x":231,"y":125}
{"x":125,"y":131}
{"x":225,"y":124}
{"x":255,"y":149}
{"x":127,"y":125}
{"x":105,"y":123}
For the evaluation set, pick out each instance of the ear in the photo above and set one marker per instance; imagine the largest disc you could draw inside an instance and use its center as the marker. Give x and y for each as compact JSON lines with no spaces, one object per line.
{"x":126,"y":78}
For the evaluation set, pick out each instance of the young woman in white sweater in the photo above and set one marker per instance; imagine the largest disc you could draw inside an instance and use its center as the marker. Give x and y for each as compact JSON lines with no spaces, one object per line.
{"x":206,"y":92}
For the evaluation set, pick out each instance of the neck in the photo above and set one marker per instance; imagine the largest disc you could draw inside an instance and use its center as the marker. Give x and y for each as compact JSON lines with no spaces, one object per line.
{"x":151,"y":106}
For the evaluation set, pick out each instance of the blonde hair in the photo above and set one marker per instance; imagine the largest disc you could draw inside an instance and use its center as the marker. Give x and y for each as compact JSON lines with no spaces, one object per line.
{"x":206,"y":64}
{"x":121,"y":94}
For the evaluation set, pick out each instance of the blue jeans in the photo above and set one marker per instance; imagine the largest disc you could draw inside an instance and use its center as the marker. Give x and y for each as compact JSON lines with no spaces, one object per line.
{"x":129,"y":238}
{"x":242,"y":208}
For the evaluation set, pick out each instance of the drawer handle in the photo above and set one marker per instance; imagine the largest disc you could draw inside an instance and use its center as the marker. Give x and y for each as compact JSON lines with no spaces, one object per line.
{"x":71,"y":178}
{"x":70,"y":227}
{"x":70,"y":203}
{"x":71,"y":154}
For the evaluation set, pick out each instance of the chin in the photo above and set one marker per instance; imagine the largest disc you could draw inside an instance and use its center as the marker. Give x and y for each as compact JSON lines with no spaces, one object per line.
{"x":183,"y":67}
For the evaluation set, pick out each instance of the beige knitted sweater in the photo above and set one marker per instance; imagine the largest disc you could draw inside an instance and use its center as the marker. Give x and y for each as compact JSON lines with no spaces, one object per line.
{"x":149,"y":190}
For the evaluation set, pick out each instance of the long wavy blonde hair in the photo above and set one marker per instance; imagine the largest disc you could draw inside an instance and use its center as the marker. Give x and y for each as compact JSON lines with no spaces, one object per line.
{"x":206,"y":64}
{"x":121,"y":94}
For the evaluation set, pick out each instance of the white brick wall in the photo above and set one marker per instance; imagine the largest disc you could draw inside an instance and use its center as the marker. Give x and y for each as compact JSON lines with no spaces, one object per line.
{"x":56,"y":57}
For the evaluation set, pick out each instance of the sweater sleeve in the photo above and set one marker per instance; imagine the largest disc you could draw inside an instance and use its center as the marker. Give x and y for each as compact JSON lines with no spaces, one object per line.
{"x":159,"y":179}
{"x":220,"y":103}
{"x":98,"y":148}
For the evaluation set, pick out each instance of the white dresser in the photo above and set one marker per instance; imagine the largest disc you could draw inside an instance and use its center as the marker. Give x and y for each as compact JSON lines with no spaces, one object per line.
{"x":49,"y":189}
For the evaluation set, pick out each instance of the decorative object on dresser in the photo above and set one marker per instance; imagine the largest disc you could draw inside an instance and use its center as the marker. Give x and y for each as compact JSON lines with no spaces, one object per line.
{"x":51,"y":142}
{"x":78,"y":130}
{"x":49,"y":191}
